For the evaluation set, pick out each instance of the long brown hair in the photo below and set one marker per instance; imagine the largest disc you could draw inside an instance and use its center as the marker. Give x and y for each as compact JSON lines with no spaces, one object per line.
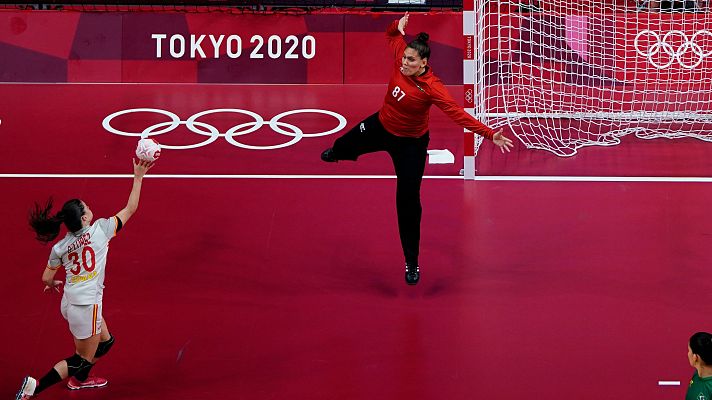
{"x":47,"y":227}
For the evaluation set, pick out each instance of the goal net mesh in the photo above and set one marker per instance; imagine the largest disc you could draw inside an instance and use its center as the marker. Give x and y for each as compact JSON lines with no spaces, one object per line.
{"x":563,"y":75}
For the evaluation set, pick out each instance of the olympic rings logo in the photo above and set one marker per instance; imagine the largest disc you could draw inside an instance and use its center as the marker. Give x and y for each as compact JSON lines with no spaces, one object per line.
{"x":469,"y":95}
{"x":689,"y":44}
{"x":212,"y":133}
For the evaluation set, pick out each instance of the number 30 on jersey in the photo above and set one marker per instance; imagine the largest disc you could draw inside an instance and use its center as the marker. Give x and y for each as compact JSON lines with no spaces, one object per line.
{"x":88,"y":260}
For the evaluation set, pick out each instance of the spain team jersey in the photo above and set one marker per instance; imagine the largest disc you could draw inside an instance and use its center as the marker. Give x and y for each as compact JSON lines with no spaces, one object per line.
{"x":406,"y":108}
{"x":700,"y":388}
{"x":83,"y":255}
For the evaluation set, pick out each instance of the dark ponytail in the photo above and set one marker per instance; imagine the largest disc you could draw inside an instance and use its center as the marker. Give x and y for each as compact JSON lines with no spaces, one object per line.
{"x":420,"y":44}
{"x":46,"y":227}
{"x":701,"y":344}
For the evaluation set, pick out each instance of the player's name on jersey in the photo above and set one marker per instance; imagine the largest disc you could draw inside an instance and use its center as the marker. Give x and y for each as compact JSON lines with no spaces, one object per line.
{"x":84,"y":240}
{"x":212,"y":46}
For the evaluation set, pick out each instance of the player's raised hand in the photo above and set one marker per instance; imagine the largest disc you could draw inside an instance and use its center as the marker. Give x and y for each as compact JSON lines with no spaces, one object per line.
{"x":141,"y":167}
{"x":504,"y":143}
{"x":402,"y":23}
{"x":55,"y":286}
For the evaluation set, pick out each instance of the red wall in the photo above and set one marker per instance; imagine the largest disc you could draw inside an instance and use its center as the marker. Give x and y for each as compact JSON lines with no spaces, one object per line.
{"x":57,"y":46}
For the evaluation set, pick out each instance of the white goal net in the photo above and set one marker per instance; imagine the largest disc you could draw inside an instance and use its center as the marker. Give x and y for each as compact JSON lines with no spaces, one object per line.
{"x":562,"y":75}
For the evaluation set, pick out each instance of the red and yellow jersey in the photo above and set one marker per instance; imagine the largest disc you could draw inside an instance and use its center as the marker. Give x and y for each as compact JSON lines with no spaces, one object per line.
{"x":406,"y":108}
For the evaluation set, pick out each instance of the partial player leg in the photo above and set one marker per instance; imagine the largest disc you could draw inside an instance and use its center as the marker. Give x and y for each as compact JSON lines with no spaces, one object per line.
{"x":366,"y":137}
{"x":106,"y":342}
{"x":92,"y":340}
{"x":86,"y":323}
{"x":409,"y":156}
{"x":86,"y":348}
{"x":28,"y":389}
{"x":63,"y":369}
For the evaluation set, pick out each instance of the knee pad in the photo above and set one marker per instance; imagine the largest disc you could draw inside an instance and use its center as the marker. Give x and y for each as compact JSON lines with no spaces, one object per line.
{"x":76,"y":363}
{"x":104,"y":347}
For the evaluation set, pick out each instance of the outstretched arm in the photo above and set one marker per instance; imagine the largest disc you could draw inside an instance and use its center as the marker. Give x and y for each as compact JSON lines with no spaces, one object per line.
{"x":140,"y":169}
{"x":443,"y":100}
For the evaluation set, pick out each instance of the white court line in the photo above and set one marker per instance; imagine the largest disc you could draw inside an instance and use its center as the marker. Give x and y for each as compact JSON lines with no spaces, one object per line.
{"x":594,"y":178}
{"x":453,"y":177}
{"x":214,"y":176}
{"x":668,"y":383}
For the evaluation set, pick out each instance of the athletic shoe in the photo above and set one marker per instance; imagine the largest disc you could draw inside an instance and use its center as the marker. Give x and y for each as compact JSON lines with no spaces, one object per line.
{"x":328,"y":155}
{"x":91,"y":382}
{"x":412,"y":273}
{"x":27,"y":389}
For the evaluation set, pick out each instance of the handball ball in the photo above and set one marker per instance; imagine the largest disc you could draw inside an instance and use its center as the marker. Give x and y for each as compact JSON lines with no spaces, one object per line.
{"x":148,"y":150}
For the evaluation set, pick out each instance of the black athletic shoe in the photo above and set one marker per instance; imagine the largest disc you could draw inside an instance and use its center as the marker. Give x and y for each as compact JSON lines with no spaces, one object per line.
{"x":328,"y":155}
{"x":412,"y":274}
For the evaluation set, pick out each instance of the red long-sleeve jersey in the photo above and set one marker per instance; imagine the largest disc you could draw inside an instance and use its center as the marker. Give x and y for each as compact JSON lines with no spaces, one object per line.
{"x":406,"y":108}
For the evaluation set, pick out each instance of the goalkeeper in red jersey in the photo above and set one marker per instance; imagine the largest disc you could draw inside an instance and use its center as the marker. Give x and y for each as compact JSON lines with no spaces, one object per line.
{"x":400,"y":128}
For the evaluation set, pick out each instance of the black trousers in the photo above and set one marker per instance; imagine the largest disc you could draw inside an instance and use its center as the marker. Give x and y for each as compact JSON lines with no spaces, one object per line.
{"x":409,"y":156}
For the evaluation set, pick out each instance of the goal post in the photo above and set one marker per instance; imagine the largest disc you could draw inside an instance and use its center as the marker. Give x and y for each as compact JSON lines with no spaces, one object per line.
{"x":560,"y":75}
